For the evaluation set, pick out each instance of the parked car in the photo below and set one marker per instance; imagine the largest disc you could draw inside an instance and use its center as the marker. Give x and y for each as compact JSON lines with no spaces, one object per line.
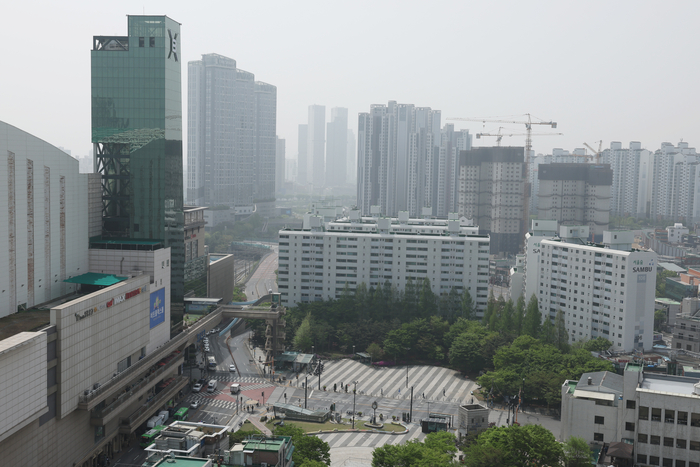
{"x":197,"y":387}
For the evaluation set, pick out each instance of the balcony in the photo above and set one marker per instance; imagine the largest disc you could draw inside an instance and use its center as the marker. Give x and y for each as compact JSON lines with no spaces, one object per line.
{"x":101,"y":416}
{"x":129,"y":424}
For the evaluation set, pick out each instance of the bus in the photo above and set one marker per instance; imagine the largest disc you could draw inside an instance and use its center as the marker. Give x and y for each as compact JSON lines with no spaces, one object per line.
{"x":211,"y":362}
{"x":149,"y":437}
{"x":181,"y":414}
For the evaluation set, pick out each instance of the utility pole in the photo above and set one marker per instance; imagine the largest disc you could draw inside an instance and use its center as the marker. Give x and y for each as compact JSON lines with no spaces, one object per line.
{"x":410,"y":414}
{"x":354,"y":392}
{"x":306,"y":387}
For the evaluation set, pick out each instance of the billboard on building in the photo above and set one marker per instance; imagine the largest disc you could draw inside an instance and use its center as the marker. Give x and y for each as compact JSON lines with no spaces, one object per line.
{"x":157,"y":308}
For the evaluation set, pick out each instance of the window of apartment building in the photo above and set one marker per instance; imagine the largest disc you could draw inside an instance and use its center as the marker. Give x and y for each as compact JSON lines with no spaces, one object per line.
{"x":631,"y":404}
{"x":667,"y":462}
{"x":643,"y":413}
{"x":598,"y":437}
{"x":680,"y":463}
{"x":641,"y":458}
{"x":693,"y":464}
{"x":668,"y":442}
{"x":655,"y":440}
{"x":629,"y":426}
{"x":655,"y":414}
{"x":653,"y":460}
{"x":670,"y":416}
{"x":681,"y":443}
{"x":599,"y":420}
{"x":642,"y":438}
{"x":682,"y":418}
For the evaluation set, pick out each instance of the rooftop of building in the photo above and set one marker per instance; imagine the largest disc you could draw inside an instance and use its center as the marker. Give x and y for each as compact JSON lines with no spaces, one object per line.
{"x":670,"y":384}
{"x":671,"y":267}
{"x":666,"y":301}
{"x":95,"y":278}
{"x":24,"y":321}
{"x":178,"y":461}
{"x":601,"y":381}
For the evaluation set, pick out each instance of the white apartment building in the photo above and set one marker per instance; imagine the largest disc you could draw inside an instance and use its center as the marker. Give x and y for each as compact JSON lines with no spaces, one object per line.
{"x":675,"y":181}
{"x":658,"y":414}
{"x":631,"y":184}
{"x":605,"y":290}
{"x":318,"y":261}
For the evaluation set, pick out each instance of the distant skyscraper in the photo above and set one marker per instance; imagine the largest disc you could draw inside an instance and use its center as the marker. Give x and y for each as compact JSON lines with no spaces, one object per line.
{"x":558,"y":156}
{"x":399,"y":166}
{"x":279,"y":164}
{"x":231,"y":134}
{"x":337,"y":147}
{"x":676,"y":180}
{"x":302,"y":174}
{"x":630,"y":185}
{"x":265,"y":156}
{"x":137,"y":139}
{"x":352,"y":158}
{"x":316,"y":145}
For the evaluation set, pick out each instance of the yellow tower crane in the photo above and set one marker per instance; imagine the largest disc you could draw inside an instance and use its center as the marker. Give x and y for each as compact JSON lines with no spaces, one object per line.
{"x":597,"y":153}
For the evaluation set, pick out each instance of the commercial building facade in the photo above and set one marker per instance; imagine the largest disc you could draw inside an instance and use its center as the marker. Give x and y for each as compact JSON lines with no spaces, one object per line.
{"x":45,"y":232}
{"x":320,"y":260}
{"x":137,"y":139}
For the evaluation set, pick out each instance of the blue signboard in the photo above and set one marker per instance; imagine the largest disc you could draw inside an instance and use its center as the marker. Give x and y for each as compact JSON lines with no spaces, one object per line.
{"x":157,"y":308}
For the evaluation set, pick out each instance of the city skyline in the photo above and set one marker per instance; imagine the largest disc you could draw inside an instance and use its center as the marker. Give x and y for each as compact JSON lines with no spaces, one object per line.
{"x":619,"y":107}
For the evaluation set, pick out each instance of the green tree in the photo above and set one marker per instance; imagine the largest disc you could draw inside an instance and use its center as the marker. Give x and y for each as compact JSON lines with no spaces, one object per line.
{"x":599,"y":344}
{"x":490,"y":310}
{"x":465,"y":353}
{"x":309,"y":448}
{"x":661,"y":281}
{"x":547,"y":331}
{"x":438,"y":449}
{"x":375,"y":351}
{"x":577,"y":453}
{"x":659,"y":320}
{"x":467,"y":306}
{"x":515,"y":446}
{"x":519,"y":316}
{"x":240,"y":435}
{"x":304,"y":339}
{"x":427,"y":302}
{"x":532,"y":323}
{"x":561,"y":335}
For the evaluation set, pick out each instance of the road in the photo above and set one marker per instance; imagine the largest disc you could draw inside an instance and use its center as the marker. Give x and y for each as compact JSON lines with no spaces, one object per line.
{"x":264,"y":277}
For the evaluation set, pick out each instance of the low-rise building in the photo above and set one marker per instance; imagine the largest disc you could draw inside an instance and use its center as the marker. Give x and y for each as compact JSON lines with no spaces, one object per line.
{"x":658,"y":414}
{"x":472,"y":418}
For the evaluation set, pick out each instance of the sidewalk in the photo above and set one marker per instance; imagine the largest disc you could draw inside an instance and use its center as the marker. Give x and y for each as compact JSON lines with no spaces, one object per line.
{"x":255,"y":420}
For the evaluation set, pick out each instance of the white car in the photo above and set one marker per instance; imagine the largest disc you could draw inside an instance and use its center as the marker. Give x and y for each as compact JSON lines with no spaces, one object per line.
{"x":232,"y":368}
{"x":194,"y":405}
{"x":197,"y":387}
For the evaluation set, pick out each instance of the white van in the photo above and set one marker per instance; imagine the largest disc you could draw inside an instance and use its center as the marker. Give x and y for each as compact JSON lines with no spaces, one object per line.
{"x":211,"y":387}
{"x":235,"y":388}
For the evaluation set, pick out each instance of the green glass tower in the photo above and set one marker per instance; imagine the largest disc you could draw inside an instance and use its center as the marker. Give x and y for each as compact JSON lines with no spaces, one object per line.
{"x":137,"y":140}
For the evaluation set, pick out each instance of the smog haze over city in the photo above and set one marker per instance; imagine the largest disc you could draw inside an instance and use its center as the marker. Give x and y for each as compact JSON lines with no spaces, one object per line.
{"x":611,"y":71}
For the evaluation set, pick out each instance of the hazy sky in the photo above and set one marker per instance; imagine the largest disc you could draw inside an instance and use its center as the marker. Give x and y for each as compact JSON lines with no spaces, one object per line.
{"x":610,"y":70}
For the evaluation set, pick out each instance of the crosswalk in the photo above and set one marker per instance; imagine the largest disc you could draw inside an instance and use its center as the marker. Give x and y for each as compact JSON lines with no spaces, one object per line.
{"x":429,"y":382}
{"x":238,"y":379}
{"x":353,"y":439}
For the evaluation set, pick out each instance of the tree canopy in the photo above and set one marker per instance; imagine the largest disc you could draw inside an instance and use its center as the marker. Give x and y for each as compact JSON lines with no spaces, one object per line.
{"x":437,"y":449}
{"x":310,"y":449}
{"x":514,"y":446}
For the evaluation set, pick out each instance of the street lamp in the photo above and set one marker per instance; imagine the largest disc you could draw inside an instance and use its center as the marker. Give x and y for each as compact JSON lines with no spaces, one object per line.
{"x":354,"y":392}
{"x":353,"y":352}
{"x":374,"y":416}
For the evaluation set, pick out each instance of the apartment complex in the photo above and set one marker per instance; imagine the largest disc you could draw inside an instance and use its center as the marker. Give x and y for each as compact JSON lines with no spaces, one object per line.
{"x":232,"y":128}
{"x":632,"y":178}
{"x":318,"y":261}
{"x":337,"y":147}
{"x":656,"y":414}
{"x":491,"y":193}
{"x":406,"y":162}
{"x":576,"y":194}
{"x":604,"y":290}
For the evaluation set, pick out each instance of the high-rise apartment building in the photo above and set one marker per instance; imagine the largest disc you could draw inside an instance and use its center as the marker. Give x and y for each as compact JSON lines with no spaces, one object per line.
{"x":337,"y":147}
{"x":137,"y":140}
{"x":400,"y":165}
{"x":318,"y":261}
{"x":351,"y":158}
{"x":576,"y":194}
{"x":603,"y":290}
{"x":631,"y":185}
{"x":674,"y":193}
{"x":491,"y":185}
{"x":558,"y":156}
{"x":280,"y":164}
{"x":302,"y":174}
{"x":316,"y":148}
{"x":232,"y":122}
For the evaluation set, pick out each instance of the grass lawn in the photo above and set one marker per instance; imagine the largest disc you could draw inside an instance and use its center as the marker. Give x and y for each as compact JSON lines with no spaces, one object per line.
{"x":328,"y":426}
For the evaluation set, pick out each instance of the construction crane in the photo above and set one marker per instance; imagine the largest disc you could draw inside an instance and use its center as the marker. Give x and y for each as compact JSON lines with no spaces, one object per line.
{"x":597,"y":153}
{"x":528,"y":148}
{"x":500,"y":136}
